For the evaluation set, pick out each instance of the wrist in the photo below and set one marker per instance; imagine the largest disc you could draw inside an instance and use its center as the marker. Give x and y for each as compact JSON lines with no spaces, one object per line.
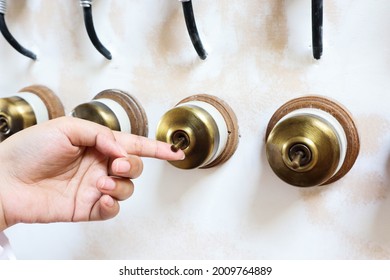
{"x":3,"y":221}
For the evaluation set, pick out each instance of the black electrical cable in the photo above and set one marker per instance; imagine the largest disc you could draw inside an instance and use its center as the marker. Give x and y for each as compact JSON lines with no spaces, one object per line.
{"x":8,"y":36}
{"x":88,"y":20}
{"x":192,"y":30}
{"x":317,"y":21}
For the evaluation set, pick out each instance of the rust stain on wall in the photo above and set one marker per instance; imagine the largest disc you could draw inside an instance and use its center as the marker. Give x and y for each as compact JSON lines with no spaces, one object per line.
{"x":276,"y":26}
{"x":259,"y":28}
{"x":177,"y":240}
{"x":316,"y":207}
{"x":72,"y":84}
{"x":117,"y":14}
{"x":17,"y":10}
{"x":372,"y":188}
{"x":372,"y":130}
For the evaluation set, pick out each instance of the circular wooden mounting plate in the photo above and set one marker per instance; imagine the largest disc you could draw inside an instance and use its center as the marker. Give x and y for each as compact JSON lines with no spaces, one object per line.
{"x":53,"y":104}
{"x":134,"y":110}
{"x":231,"y":123}
{"x":337,"y":111}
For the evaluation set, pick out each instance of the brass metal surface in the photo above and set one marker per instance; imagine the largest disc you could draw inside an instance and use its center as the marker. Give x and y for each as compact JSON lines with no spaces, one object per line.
{"x":15,"y":115}
{"x":97,"y":112}
{"x":3,"y":125}
{"x":231,"y":123}
{"x":339,"y":112}
{"x":303,"y":150}
{"x":199,"y":130}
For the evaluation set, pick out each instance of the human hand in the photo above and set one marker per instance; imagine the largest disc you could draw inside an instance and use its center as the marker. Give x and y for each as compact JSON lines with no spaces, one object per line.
{"x":70,"y":170}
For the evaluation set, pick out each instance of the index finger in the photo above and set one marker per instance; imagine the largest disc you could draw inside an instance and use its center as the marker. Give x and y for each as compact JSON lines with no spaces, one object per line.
{"x":145,"y":147}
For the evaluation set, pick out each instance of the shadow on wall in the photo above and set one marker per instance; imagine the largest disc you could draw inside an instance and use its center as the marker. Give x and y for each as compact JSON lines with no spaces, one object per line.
{"x":273,"y":197}
{"x":380,"y":230}
{"x":173,"y":188}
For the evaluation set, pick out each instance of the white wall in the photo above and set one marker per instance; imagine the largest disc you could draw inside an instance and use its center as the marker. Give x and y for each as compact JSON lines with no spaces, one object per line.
{"x":260,"y":58}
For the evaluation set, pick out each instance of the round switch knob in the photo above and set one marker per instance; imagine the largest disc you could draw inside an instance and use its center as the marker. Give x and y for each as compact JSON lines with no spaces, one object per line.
{"x":204,"y":127}
{"x":116,"y":110}
{"x":311,"y":141}
{"x":32,"y":105}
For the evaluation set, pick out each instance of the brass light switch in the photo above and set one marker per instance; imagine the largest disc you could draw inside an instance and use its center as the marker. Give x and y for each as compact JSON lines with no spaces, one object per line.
{"x":32,"y":105}
{"x":311,"y":141}
{"x":115,"y":109}
{"x":204,"y":127}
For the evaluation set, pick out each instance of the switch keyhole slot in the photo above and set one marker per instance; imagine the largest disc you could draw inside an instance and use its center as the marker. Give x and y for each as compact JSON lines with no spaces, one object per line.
{"x":300,"y":155}
{"x":4,"y":126}
{"x":180,"y":140}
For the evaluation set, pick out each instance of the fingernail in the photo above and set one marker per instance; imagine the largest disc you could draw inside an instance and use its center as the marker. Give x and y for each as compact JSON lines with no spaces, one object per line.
{"x":109,"y":184}
{"x":122,"y":166}
{"x":183,"y":155}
